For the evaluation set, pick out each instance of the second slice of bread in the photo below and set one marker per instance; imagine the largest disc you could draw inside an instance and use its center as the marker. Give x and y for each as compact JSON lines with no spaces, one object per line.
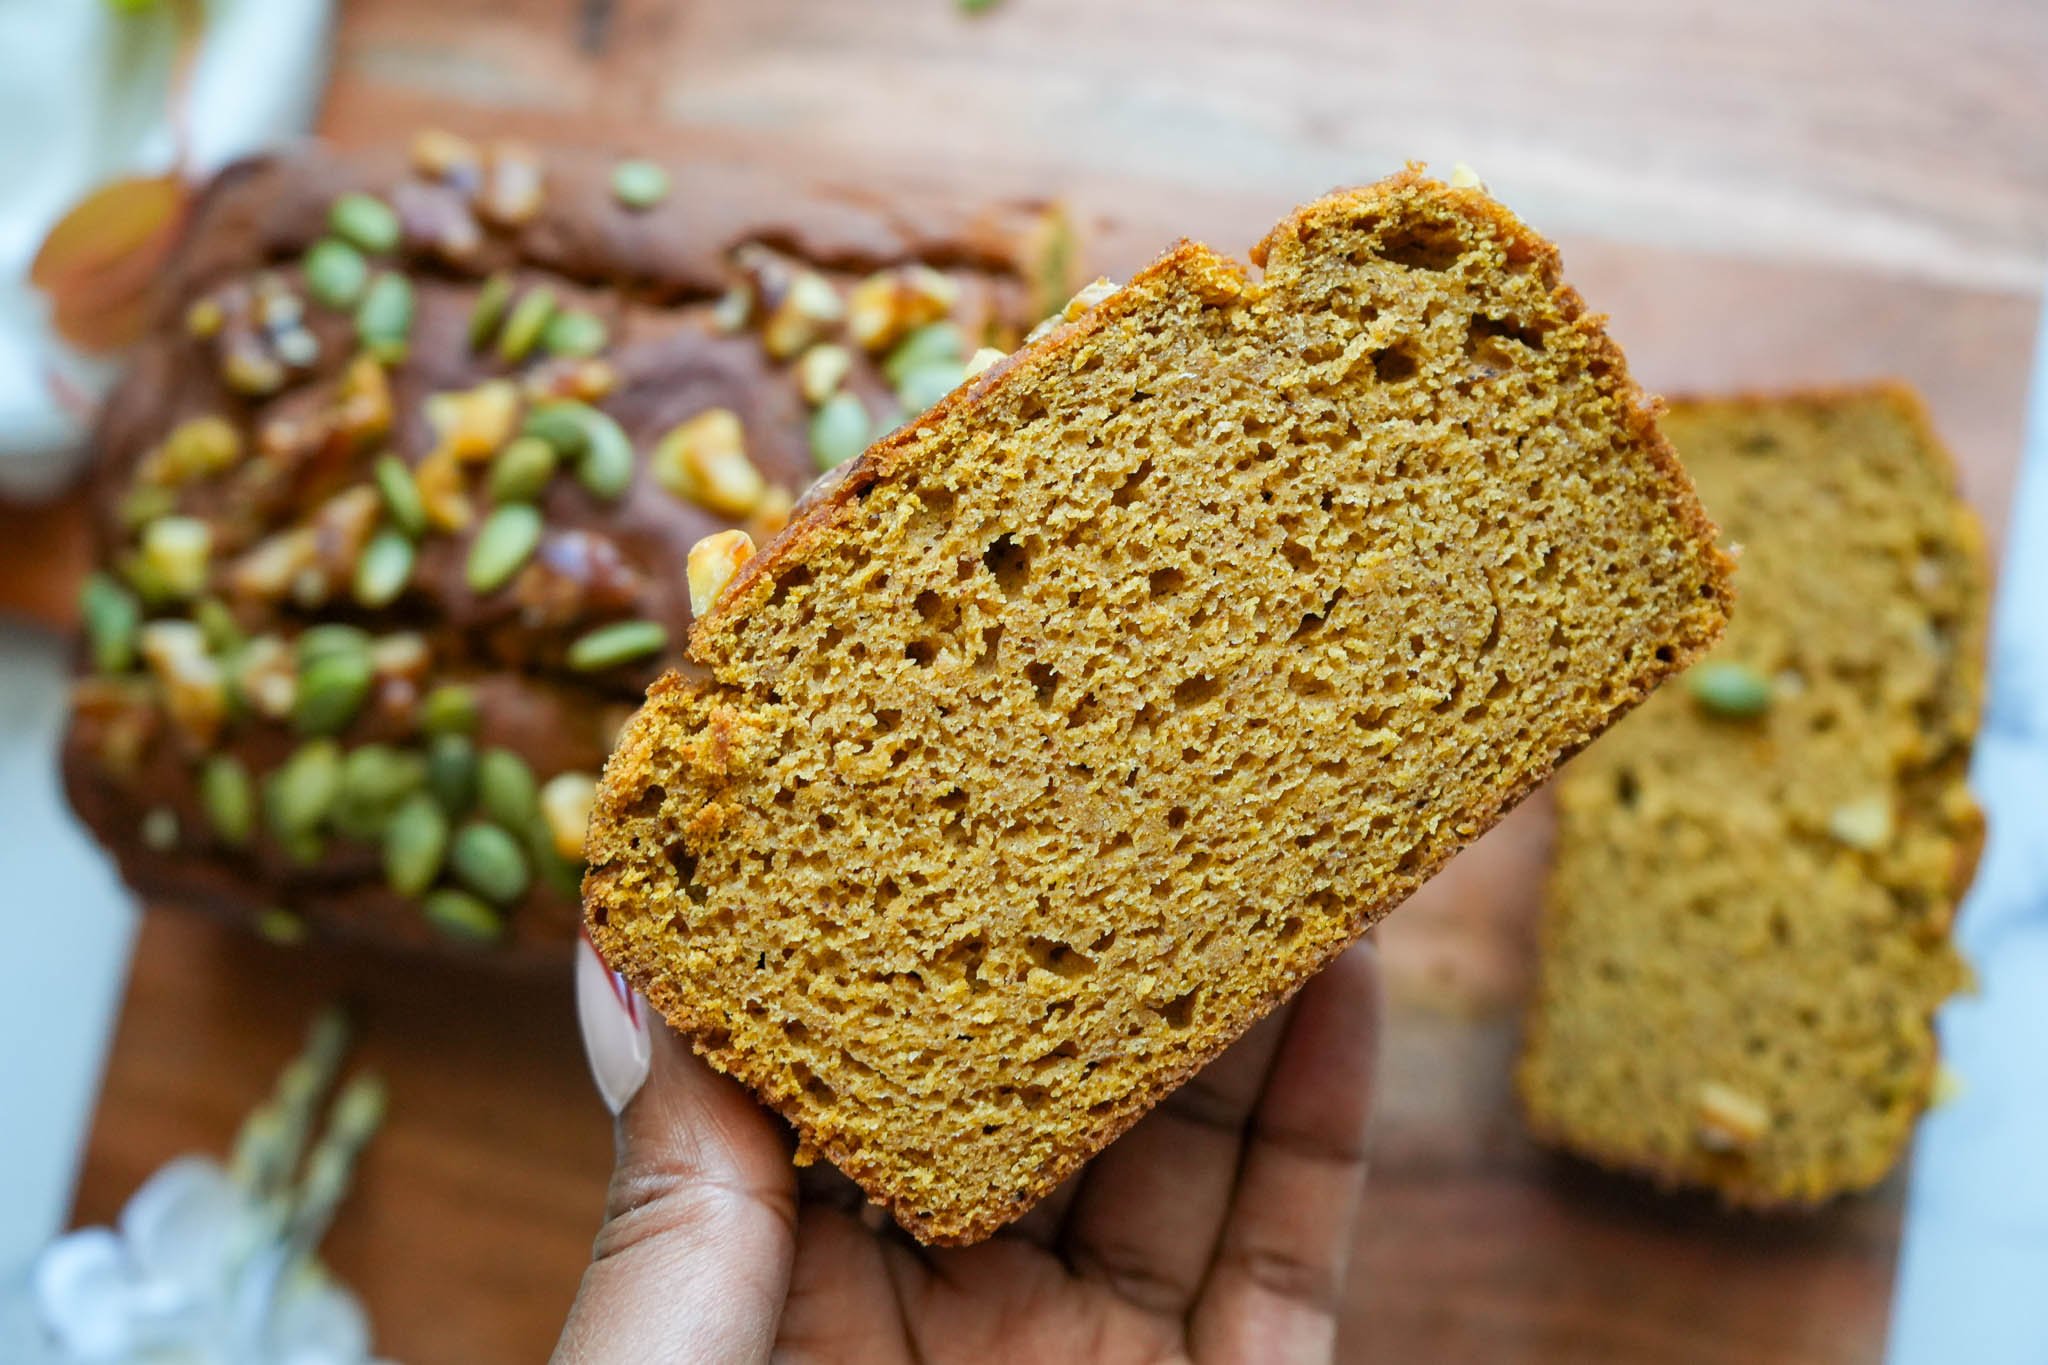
{"x":1093,"y":712}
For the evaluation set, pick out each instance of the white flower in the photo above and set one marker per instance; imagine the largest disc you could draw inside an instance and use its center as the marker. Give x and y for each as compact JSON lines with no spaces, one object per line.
{"x":199,"y":1272}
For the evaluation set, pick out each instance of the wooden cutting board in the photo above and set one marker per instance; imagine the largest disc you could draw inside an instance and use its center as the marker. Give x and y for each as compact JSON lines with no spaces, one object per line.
{"x":475,"y":1207}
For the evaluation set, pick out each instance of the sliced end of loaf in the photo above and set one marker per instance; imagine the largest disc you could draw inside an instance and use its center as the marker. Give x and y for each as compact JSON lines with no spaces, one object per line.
{"x":1094,"y":711}
{"x":1747,"y":930}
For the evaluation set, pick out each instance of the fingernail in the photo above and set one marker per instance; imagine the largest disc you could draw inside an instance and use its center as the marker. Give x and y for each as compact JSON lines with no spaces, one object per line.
{"x":614,"y":1021}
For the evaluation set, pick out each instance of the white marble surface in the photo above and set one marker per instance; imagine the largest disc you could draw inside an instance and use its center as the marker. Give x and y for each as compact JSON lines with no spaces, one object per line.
{"x":67,"y":924}
{"x":1973,"y":1276}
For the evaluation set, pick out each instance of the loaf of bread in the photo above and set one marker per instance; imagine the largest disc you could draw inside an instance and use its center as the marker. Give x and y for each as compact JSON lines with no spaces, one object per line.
{"x":1089,"y":715}
{"x":1748,"y":922}
{"x":393,"y":510}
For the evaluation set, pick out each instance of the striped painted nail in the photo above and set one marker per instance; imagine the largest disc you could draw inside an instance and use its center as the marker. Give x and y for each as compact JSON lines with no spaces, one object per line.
{"x":614,"y":1022}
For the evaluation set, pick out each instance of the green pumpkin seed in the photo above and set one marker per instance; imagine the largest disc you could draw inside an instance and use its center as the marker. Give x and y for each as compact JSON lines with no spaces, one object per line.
{"x":639,"y":184}
{"x":1729,"y":689}
{"x":523,"y":328}
{"x":574,"y":333}
{"x":145,"y":503}
{"x":488,"y":860}
{"x":462,"y":916}
{"x":593,"y":439}
{"x":505,"y":788}
{"x":335,"y":272}
{"x":928,"y":383}
{"x":332,"y":637}
{"x":408,"y":511}
{"x":451,"y":772}
{"x":375,"y":778}
{"x":365,"y":221}
{"x":281,"y":926}
{"x":933,"y":342}
{"x":113,"y":623}
{"x":298,"y":795}
{"x":223,"y":634}
{"x":615,"y":644}
{"x":449,"y":709}
{"x":521,"y":471}
{"x":332,"y":688}
{"x":384,"y":569}
{"x":384,"y":317}
{"x":840,"y":430}
{"x":415,"y":845}
{"x":489,"y":309}
{"x":503,"y":544}
{"x":229,"y":799}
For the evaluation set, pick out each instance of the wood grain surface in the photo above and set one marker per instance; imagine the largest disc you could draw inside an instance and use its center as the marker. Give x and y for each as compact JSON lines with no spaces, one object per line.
{"x":1760,"y":192}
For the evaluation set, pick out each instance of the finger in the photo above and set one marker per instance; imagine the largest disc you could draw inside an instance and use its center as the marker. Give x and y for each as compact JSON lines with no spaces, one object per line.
{"x":1149,"y":1209}
{"x":1273,"y":1291}
{"x":694,"y":1256}
{"x":843,"y":1302}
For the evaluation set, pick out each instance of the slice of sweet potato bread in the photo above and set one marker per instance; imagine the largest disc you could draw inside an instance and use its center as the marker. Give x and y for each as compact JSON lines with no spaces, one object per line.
{"x":1096,"y":709}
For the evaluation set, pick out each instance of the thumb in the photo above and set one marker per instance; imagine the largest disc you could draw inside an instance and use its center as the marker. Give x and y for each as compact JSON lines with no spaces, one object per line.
{"x":699,"y":1229}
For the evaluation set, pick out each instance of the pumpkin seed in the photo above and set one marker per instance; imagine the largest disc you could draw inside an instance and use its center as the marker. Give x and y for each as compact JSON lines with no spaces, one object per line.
{"x":840,"y":430}
{"x":506,"y":789}
{"x":384,"y":317}
{"x":1729,"y":689}
{"x":449,"y":709}
{"x":503,"y":544}
{"x":597,"y":443}
{"x":365,"y":221}
{"x":527,"y":320}
{"x":574,"y":333}
{"x":113,"y":621}
{"x":489,"y":309}
{"x":375,"y":778}
{"x":462,"y":916}
{"x":408,"y":511}
{"x":488,"y":860}
{"x":332,"y":688}
{"x":928,"y":383}
{"x":335,"y":272}
{"x":332,"y":637}
{"x":229,"y":799}
{"x":384,"y":569}
{"x":639,"y":184}
{"x":298,"y":795}
{"x":415,"y":844}
{"x":522,"y":469}
{"x":451,"y":772}
{"x":223,"y":634}
{"x":615,"y":644}
{"x":935,"y":341}
{"x":280,"y":926}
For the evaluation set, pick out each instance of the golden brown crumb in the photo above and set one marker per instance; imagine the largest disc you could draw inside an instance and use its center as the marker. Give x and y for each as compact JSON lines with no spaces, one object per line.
{"x":1748,"y":923}
{"x":1095,"y":710}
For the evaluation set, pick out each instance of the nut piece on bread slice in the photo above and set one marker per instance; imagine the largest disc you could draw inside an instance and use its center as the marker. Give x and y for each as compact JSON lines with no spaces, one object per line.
{"x":1093,"y":711}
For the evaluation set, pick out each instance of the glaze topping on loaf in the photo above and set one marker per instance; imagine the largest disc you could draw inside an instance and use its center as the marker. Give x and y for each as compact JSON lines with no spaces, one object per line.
{"x":393,"y":509}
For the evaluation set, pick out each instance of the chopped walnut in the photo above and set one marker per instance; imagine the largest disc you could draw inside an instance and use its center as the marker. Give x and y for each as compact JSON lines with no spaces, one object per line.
{"x":705,"y":460}
{"x":474,"y":424}
{"x":575,"y":575}
{"x":512,"y":190}
{"x":713,"y":562}
{"x":891,"y":303}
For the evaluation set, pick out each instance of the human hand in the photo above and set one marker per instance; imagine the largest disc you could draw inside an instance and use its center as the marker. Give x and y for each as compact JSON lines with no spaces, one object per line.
{"x":1216,"y":1230}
